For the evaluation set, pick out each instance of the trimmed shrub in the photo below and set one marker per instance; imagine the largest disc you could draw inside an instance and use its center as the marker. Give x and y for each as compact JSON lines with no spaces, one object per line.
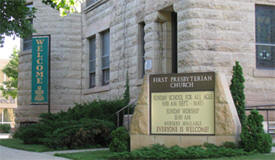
{"x":5,"y":128}
{"x":120,"y":140}
{"x":82,"y":126}
{"x":81,"y":134}
{"x":253,"y":136}
{"x":237,"y":91}
{"x":30,"y":134}
{"x":230,"y":145}
{"x":194,"y":152}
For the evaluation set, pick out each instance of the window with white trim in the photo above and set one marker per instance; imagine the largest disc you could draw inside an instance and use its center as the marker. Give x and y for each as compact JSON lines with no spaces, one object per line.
{"x":265,"y":37}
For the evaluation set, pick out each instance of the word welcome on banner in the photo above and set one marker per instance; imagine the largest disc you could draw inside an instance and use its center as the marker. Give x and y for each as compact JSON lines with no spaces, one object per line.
{"x":40,"y":69}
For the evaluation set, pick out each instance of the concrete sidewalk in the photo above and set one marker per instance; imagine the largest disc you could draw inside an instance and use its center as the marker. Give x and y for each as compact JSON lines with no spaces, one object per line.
{"x":76,"y":150}
{"x":14,"y":154}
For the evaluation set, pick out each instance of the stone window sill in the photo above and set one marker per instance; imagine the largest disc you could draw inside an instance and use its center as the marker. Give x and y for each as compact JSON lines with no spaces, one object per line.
{"x":97,"y":90}
{"x":264,"y":73}
{"x":94,"y":5}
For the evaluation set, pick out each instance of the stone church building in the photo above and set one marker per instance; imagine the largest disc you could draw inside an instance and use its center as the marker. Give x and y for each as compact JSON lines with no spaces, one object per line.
{"x":92,"y":51}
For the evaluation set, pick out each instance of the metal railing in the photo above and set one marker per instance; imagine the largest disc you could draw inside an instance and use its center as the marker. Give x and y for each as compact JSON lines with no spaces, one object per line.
{"x":267,"y":109}
{"x":128,"y":107}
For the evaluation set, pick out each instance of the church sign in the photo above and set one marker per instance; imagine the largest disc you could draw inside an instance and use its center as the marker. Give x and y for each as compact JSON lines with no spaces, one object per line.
{"x":40,"y":69}
{"x":182,"y":104}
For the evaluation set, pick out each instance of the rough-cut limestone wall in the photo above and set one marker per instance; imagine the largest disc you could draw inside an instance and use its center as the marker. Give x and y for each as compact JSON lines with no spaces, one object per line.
{"x":65,"y":63}
{"x":121,"y":17}
{"x":227,"y":124}
{"x":212,"y":35}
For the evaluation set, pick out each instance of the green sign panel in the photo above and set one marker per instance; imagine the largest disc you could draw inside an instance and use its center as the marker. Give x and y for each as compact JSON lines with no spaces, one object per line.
{"x":40,"y":69}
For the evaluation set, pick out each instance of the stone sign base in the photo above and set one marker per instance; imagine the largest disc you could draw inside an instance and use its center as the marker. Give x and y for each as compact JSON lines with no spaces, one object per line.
{"x":227,"y":124}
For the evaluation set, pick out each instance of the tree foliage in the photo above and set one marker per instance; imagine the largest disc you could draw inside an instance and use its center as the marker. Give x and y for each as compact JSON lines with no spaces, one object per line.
{"x":15,"y":15}
{"x":15,"y":19}
{"x":237,"y":91}
{"x":253,"y":136}
{"x":126,"y":94}
{"x":9,"y":87}
{"x":65,"y":6}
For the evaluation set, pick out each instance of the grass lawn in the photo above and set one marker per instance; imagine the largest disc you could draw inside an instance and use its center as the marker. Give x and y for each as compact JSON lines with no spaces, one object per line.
{"x":96,"y":155}
{"x":18,"y":144}
{"x":251,"y":157}
{"x":103,"y":155}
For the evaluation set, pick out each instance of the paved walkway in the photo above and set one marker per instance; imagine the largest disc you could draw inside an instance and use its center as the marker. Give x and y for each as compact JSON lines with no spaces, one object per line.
{"x":14,"y":154}
{"x":75,"y":151}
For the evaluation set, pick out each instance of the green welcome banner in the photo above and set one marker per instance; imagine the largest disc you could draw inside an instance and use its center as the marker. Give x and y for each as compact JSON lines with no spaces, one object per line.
{"x":40,"y":69}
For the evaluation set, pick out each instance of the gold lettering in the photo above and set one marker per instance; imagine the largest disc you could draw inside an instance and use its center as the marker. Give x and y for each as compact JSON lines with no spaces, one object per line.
{"x":39,"y":49}
{"x":39,"y":81}
{"x":39,"y":67}
{"x":39,"y":61}
{"x":39,"y":41}
{"x":39,"y":74}
{"x":39,"y":55}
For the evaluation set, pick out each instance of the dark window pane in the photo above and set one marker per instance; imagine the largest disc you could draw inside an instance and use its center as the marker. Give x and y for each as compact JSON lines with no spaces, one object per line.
{"x":105,"y":59}
{"x":265,"y":56}
{"x":92,"y":62}
{"x":92,"y":80}
{"x":92,"y":66}
{"x":106,"y":43}
{"x":142,"y":43}
{"x":174,"y":42}
{"x":265,"y":36}
{"x":106,"y":76}
{"x":105,"y":62}
{"x":92,"y":55}
{"x":92,"y":48}
{"x":7,"y":115}
{"x":27,"y":42}
{"x":89,"y":2}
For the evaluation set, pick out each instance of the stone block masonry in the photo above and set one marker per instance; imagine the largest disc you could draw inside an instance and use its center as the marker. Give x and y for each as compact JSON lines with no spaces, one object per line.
{"x":211,"y":36}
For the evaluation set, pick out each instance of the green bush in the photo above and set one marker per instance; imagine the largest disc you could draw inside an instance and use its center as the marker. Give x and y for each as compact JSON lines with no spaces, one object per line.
{"x":30,"y":134}
{"x":79,"y":135}
{"x":101,"y":109}
{"x":82,"y":126}
{"x":5,"y":128}
{"x":120,"y":140}
{"x":195,"y":152}
{"x":237,"y":91}
{"x":253,"y":136}
{"x":230,"y":145}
